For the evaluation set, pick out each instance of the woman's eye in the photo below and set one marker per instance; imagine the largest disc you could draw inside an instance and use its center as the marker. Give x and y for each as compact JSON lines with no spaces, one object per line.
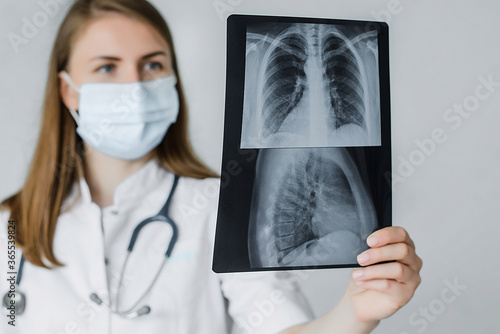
{"x":153,"y":66}
{"x":106,"y":68}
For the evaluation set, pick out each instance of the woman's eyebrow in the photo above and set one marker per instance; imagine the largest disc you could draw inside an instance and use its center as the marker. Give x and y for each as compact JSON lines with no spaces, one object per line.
{"x":105,"y":58}
{"x":113,"y":58}
{"x":154,"y":54}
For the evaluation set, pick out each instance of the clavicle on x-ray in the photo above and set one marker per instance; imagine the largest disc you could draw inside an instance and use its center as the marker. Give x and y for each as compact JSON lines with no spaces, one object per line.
{"x":309,"y":207}
{"x":316,"y":85}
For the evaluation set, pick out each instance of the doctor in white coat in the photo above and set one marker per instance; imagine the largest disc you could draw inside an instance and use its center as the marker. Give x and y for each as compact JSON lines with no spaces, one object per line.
{"x":113,"y":151}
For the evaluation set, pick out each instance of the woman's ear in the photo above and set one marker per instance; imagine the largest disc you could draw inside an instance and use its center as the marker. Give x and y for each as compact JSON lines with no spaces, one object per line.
{"x":68,"y":94}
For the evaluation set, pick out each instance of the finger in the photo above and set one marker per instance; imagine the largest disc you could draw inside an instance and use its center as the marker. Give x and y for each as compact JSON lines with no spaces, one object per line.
{"x":389,"y":235}
{"x":399,"y":293}
{"x":401,"y":252}
{"x":394,"y":270}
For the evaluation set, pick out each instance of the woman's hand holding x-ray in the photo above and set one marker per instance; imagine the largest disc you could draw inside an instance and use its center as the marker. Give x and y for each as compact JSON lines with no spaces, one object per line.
{"x":379,"y":290}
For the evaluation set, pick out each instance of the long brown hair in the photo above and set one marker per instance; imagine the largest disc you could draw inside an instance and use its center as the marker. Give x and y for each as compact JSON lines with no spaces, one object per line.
{"x":58,"y":160}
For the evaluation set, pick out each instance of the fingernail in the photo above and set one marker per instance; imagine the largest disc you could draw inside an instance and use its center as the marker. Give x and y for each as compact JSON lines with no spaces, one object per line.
{"x":358,"y":273}
{"x":360,"y":282}
{"x":372,"y":241}
{"x":363,"y":257}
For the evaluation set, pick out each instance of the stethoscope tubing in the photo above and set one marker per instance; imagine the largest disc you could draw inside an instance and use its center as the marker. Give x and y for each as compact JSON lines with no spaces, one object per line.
{"x":162,"y":216}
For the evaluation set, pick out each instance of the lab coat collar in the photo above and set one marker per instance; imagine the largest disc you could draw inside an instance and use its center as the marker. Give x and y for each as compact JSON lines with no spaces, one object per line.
{"x":132,"y":188}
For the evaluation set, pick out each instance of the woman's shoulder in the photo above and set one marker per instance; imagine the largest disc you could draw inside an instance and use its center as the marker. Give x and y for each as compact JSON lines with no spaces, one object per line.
{"x":4,"y":220}
{"x":197,"y":200}
{"x":196,"y":182}
{"x":207,"y":188}
{"x":4,"y":210}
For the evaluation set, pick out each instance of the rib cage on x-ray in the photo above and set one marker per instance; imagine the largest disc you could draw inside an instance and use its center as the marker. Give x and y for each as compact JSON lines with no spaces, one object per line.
{"x":344,"y":82}
{"x":285,"y":81}
{"x":285,"y":78}
{"x":309,"y":207}
{"x":313,"y":90}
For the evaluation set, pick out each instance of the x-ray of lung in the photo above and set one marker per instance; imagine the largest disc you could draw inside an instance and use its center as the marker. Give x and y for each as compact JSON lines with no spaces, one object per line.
{"x":309,"y":207}
{"x":310,"y":85}
{"x":307,"y":143}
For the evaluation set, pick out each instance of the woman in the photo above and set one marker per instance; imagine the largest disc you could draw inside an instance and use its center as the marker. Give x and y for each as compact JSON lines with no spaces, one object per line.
{"x":109,"y":147}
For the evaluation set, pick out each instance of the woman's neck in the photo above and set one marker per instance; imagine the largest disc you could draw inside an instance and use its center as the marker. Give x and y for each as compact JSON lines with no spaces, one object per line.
{"x":103,"y":174}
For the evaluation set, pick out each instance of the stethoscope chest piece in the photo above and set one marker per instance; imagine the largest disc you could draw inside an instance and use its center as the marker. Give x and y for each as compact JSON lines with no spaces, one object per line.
{"x":14,"y":303}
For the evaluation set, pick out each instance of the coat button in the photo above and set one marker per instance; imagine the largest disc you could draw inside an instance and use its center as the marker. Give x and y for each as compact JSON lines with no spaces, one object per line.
{"x":106,"y":261}
{"x":114,"y":212}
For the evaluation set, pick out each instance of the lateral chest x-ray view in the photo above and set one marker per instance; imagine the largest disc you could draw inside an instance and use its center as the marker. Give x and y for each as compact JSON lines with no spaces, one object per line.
{"x":306,"y":143}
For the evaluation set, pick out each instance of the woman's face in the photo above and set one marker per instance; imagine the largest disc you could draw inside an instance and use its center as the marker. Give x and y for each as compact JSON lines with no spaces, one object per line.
{"x":116,"y":48}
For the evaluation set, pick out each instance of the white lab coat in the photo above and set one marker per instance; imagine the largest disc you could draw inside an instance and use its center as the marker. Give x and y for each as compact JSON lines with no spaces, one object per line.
{"x":188,"y":296}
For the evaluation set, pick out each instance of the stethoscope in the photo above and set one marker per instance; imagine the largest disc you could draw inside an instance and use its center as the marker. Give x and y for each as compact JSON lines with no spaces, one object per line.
{"x":19,"y":299}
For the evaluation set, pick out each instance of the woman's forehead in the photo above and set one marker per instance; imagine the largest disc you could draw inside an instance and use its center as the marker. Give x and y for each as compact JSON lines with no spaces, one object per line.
{"x":114,"y":34}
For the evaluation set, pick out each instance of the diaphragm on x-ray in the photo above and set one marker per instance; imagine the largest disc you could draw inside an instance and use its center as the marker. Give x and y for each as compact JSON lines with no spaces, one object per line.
{"x":307,"y":143}
{"x":310,"y":85}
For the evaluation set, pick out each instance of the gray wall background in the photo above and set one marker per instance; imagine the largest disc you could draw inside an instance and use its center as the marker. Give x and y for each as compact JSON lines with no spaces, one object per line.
{"x":447,"y":199}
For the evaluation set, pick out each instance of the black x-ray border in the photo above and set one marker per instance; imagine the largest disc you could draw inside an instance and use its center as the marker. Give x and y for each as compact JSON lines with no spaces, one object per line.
{"x":238,"y":166}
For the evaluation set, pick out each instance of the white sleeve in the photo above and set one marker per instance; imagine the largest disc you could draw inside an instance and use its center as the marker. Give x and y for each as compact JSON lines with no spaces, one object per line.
{"x":265,"y":302}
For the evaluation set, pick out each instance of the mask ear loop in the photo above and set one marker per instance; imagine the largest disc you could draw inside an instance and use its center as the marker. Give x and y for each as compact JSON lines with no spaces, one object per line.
{"x":76,"y":117}
{"x":70,"y":82}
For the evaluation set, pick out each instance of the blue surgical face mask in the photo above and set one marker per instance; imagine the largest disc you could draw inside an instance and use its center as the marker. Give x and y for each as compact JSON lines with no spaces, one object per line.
{"x":125,"y":120}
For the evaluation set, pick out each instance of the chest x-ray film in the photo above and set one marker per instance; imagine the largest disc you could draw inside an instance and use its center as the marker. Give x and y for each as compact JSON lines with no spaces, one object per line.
{"x":307,"y":143}
{"x":310,"y":85}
